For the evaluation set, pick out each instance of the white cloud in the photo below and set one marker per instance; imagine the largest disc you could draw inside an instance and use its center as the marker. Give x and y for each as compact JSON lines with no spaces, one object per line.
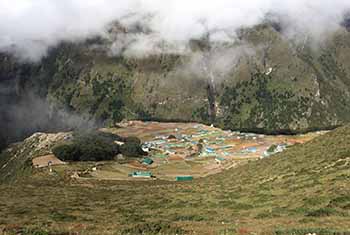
{"x":29,"y":27}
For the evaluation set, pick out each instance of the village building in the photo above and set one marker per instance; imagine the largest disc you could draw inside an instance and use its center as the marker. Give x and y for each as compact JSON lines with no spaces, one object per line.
{"x":141,"y":174}
{"x":184,"y":178}
{"x":147,"y":161}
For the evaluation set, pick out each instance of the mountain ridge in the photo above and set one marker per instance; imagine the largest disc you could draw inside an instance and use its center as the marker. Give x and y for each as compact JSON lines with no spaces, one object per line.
{"x":281,"y":86}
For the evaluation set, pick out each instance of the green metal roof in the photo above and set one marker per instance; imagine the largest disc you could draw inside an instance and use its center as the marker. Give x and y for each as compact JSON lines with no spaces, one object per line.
{"x":147,"y":161}
{"x":141,"y":174}
{"x":184,"y":178}
{"x":221,"y":159}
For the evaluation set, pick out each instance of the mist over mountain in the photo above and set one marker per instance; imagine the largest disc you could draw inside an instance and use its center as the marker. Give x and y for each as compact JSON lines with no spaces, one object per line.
{"x":256,"y":65}
{"x":29,"y":28}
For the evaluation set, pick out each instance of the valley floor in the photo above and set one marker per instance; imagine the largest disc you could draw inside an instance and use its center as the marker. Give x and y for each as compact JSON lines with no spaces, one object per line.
{"x":173,"y":148}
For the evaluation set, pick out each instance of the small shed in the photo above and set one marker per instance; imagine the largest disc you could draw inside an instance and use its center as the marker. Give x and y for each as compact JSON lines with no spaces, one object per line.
{"x":141,"y":174}
{"x":210,"y":150}
{"x":220,"y":159}
{"x":252,"y":149}
{"x":147,"y":161}
{"x":184,"y":178}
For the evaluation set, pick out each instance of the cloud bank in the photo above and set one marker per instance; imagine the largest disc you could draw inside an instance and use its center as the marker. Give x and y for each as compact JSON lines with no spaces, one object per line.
{"x":29,"y":27}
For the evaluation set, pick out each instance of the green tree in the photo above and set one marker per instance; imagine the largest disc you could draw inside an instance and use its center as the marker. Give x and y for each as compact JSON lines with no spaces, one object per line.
{"x":3,"y":142}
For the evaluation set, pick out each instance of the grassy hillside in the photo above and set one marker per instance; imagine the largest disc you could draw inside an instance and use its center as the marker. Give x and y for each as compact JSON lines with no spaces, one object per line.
{"x":305,"y":189}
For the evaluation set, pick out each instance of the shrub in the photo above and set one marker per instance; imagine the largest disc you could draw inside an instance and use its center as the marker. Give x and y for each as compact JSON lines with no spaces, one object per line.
{"x":272,"y":148}
{"x":154,"y":228}
{"x":132,"y":139}
{"x":3,"y":142}
{"x":342,"y":202}
{"x":97,"y":150}
{"x":131,"y":149}
{"x":91,"y":146}
{"x":322,"y":212}
{"x":85,"y":151}
{"x":67,"y":152}
{"x":189,"y":218}
{"x":303,"y":231}
{"x":97,"y":146}
{"x":28,"y":231}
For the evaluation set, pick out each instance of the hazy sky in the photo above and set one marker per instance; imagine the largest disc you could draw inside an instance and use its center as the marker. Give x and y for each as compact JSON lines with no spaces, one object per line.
{"x":29,"y":27}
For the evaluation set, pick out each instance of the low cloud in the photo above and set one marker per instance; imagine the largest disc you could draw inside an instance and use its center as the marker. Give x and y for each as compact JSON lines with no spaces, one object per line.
{"x":22,"y":115}
{"x":29,"y":27}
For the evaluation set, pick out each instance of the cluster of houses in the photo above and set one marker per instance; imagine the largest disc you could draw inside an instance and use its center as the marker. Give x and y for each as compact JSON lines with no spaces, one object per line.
{"x":200,"y":143}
